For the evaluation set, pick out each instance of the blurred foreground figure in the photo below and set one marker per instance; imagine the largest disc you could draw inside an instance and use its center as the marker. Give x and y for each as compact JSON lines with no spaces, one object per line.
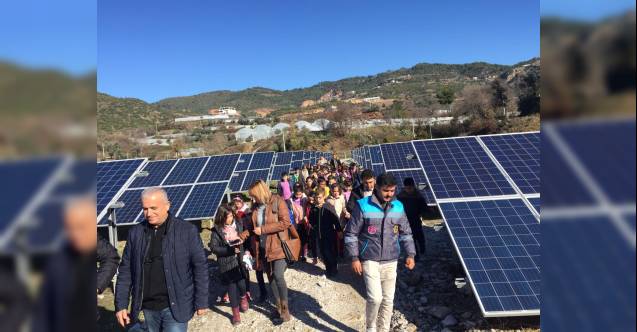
{"x":67,"y":296}
{"x":14,"y":302}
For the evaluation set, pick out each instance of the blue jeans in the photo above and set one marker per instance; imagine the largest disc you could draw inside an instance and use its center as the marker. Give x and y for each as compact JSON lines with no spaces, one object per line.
{"x":163,"y":320}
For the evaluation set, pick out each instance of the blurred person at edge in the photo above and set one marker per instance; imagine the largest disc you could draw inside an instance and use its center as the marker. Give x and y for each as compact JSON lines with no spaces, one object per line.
{"x":67,"y":297}
{"x":14,"y":301}
{"x":165,"y":267}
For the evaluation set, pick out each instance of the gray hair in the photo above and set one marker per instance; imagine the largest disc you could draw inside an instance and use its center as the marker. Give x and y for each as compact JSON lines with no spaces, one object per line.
{"x":155,"y":190}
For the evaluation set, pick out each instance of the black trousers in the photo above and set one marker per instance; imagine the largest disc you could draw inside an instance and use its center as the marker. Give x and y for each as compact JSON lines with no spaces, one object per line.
{"x":236,"y":290}
{"x":327,"y":245}
{"x":419,"y":235}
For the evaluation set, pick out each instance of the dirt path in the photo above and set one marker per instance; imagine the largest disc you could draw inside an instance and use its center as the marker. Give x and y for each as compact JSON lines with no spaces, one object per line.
{"x":426,"y":299}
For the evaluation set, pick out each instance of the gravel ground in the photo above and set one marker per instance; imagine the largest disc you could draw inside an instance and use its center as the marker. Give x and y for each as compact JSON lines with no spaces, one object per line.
{"x":427,"y":299}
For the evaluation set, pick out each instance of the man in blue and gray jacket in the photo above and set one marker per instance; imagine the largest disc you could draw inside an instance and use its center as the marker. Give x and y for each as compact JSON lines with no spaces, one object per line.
{"x":373,"y":240}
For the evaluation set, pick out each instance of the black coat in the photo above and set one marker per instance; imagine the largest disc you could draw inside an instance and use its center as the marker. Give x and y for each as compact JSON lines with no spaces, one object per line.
{"x":357,"y":193}
{"x":415,"y":205}
{"x":108,"y":259}
{"x":185,"y":263}
{"x":226,"y":257}
{"x":324,"y":221}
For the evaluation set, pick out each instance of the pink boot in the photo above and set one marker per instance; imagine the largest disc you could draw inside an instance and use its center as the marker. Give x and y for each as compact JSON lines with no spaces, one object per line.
{"x":244,"y":304}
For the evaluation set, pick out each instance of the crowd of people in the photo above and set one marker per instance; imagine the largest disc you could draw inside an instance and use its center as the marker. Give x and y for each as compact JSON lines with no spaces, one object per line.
{"x":332,"y":210}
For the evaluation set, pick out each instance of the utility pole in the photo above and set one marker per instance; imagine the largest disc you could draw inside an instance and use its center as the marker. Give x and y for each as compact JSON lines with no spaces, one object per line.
{"x":283,"y":131}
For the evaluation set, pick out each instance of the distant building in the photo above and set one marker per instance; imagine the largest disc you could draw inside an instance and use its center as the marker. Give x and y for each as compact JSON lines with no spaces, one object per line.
{"x":202,"y":118}
{"x":230,"y":111}
{"x":441,"y":112}
{"x":371,"y":99}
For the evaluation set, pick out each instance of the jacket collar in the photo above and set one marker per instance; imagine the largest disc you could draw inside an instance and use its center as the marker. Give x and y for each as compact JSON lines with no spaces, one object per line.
{"x":169,"y":222}
{"x":374,"y":199}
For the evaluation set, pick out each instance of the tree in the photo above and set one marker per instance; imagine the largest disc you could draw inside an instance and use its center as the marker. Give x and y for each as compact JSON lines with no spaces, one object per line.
{"x":529,"y":100}
{"x":500,"y":95}
{"x":445,"y":95}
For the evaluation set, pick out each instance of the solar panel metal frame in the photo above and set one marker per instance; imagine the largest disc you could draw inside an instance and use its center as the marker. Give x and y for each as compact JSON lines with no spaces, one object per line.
{"x":40,"y":198}
{"x":518,"y":195}
{"x":484,"y":142}
{"x":503,"y":313}
{"x":130,"y":180}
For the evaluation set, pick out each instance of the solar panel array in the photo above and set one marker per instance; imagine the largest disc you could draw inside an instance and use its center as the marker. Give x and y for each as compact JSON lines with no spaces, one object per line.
{"x":195,"y":186}
{"x":36,"y":191}
{"x":487,"y":190}
{"x":588,"y":226}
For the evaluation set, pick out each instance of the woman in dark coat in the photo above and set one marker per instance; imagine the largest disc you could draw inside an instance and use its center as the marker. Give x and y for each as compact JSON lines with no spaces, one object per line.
{"x":226,"y":243}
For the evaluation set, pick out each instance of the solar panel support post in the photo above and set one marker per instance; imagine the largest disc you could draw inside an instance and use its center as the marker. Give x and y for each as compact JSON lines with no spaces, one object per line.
{"x":22,"y":259}
{"x":112,"y":228}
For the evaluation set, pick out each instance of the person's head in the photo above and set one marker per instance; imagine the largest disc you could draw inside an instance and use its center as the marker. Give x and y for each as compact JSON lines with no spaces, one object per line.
{"x":155,"y":205}
{"x":237,"y":202}
{"x":298,"y":193}
{"x":335,"y":190}
{"x":347,"y":184}
{"x":319,"y":198}
{"x":311,"y":197}
{"x":386,"y":187}
{"x":259,"y":192}
{"x":79,"y":224}
{"x":285,"y":176}
{"x":321,"y":182}
{"x":368,"y":180}
{"x":409,"y":184}
{"x":309,"y":181}
{"x":224,"y":216}
{"x":331,"y":180}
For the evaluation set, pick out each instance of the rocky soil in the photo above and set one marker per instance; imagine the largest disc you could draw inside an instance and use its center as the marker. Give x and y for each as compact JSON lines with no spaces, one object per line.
{"x":427,"y":299}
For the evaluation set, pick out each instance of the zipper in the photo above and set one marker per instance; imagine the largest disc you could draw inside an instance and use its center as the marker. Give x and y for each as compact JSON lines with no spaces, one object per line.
{"x":141,"y":301}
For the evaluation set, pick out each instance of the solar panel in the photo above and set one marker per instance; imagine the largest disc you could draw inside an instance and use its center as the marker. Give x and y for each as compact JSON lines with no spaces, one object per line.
{"x":203,"y":201}
{"x":498,"y":241}
{"x":219,"y":168}
{"x":460,"y":168}
{"x":419,"y":178}
{"x":252,"y":176}
{"x":563,"y":188}
{"x":375,"y":154}
{"x":591,"y":141}
{"x":243,"y":162}
{"x":378,"y":169}
{"x":34,"y":193}
{"x":588,"y":276}
{"x":588,"y":243}
{"x":296,"y":165}
{"x":21,"y":180}
{"x":131,"y":210}
{"x":261,"y":160}
{"x":283,"y":158}
{"x":278,"y":170}
{"x":186,"y":171}
{"x":536,"y":203}
{"x":236,"y":181}
{"x":399,"y":156}
{"x":112,"y":176}
{"x":297,"y":155}
{"x":519,"y":155}
{"x":157,"y":171}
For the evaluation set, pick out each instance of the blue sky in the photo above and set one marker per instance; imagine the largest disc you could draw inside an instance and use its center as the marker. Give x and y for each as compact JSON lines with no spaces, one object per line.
{"x":157,"y":49}
{"x":50,"y":34}
{"x":585,"y":10}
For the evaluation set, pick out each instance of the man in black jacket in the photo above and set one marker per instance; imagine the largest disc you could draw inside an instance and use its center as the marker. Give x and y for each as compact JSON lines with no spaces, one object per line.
{"x":365,"y":189}
{"x":164,"y":269}
{"x":415,"y":206}
{"x":108,"y":260}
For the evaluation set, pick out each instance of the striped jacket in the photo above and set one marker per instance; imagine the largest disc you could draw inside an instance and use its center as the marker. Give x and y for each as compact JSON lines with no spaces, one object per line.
{"x":376,"y":234}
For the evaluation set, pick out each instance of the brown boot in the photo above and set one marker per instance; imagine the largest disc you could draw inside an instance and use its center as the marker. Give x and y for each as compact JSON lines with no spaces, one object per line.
{"x":285,"y":311}
{"x":236,"y":316}
{"x":277,"y":314}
